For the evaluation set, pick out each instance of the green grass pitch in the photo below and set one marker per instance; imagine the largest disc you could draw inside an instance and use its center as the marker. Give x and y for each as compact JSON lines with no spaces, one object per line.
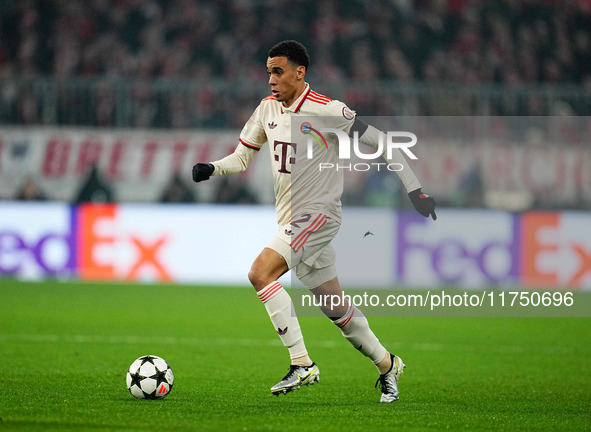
{"x":65,"y":349}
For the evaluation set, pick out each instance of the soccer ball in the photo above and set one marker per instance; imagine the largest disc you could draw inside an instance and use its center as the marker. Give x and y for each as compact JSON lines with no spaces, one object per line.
{"x":149,"y":377}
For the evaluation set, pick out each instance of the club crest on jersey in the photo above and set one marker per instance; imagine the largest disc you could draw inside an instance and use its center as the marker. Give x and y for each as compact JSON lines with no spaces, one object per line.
{"x":348,"y":113}
{"x":307,"y":129}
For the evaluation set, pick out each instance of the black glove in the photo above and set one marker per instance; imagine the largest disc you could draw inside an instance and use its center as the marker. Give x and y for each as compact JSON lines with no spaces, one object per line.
{"x":423,"y":203}
{"x":202,"y":171}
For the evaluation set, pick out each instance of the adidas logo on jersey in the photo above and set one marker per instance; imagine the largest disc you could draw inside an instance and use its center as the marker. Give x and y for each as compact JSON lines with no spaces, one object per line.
{"x":272,"y":125}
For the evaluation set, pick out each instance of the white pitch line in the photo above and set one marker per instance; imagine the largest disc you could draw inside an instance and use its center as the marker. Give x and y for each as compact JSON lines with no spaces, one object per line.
{"x":130,"y":340}
{"x":274,"y":342}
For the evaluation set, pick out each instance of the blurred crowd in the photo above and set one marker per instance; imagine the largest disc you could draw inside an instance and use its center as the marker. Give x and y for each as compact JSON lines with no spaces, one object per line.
{"x":457,"y":41}
{"x":201,"y":64}
{"x":195,"y":63}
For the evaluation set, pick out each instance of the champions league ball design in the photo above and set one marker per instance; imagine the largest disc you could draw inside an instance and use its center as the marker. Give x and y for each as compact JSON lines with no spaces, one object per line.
{"x":149,"y":377}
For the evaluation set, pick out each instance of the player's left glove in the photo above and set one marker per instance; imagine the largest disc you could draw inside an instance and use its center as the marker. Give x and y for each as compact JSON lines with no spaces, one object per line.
{"x":202,"y":171}
{"x":423,"y":203}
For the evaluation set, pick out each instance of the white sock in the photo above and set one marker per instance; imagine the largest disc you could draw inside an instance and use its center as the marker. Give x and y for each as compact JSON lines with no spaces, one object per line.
{"x":280,"y":309}
{"x":355,"y":328}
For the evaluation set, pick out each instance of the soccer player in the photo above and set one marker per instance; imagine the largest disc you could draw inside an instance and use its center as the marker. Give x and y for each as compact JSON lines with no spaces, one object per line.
{"x":309,"y":212}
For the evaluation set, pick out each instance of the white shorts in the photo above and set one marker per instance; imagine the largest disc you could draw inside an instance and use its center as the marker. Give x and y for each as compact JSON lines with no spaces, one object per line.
{"x":305,"y":244}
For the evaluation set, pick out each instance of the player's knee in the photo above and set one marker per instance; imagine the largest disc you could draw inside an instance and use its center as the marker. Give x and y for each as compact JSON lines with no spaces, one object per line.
{"x":257,"y":277}
{"x":267,"y":268}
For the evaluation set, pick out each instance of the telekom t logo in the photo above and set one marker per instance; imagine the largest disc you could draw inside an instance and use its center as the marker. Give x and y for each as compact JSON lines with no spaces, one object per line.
{"x":282,"y":156}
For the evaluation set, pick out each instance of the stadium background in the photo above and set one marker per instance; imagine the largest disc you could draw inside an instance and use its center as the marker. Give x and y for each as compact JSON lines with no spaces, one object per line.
{"x":124,"y":96}
{"x":106,"y":104}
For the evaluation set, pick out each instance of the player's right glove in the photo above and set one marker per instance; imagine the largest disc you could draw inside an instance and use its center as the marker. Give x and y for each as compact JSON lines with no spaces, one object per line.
{"x":202,"y":171}
{"x":423,"y":203}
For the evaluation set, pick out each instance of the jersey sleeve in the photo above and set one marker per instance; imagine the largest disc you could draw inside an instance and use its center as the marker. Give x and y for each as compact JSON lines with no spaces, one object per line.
{"x":339,"y":115}
{"x":253,"y":133}
{"x":235,"y":162}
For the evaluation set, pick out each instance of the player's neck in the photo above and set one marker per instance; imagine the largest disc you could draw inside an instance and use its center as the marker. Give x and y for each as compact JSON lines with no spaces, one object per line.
{"x":300,"y":90}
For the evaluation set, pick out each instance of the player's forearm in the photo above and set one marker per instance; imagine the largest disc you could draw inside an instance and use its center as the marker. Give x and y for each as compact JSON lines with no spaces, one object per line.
{"x":371,"y":138}
{"x":234,"y":163}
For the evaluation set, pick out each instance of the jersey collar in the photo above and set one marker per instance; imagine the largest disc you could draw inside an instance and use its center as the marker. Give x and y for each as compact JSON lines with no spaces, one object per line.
{"x":295,"y":107}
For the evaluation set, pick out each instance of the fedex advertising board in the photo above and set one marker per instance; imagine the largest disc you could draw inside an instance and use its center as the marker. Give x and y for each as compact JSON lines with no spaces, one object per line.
{"x":217,"y":244}
{"x":133,"y":242}
{"x":172,"y":243}
{"x":37,"y":240}
{"x":556,"y":249}
{"x":467,"y":248}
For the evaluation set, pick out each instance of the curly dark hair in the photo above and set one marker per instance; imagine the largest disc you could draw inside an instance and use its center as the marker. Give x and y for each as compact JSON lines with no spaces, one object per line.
{"x":295,"y":52}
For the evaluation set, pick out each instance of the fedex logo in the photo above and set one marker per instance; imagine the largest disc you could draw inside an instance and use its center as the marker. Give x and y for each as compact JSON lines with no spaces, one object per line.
{"x":37,"y":240}
{"x":107,"y":253}
{"x":89,"y":242}
{"x":481,"y":248}
{"x":556,"y":249}
{"x":457,"y":250}
{"x":51,"y":253}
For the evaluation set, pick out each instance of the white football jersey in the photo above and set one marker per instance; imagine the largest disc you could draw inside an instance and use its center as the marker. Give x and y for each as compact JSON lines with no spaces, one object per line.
{"x":300,"y":185}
